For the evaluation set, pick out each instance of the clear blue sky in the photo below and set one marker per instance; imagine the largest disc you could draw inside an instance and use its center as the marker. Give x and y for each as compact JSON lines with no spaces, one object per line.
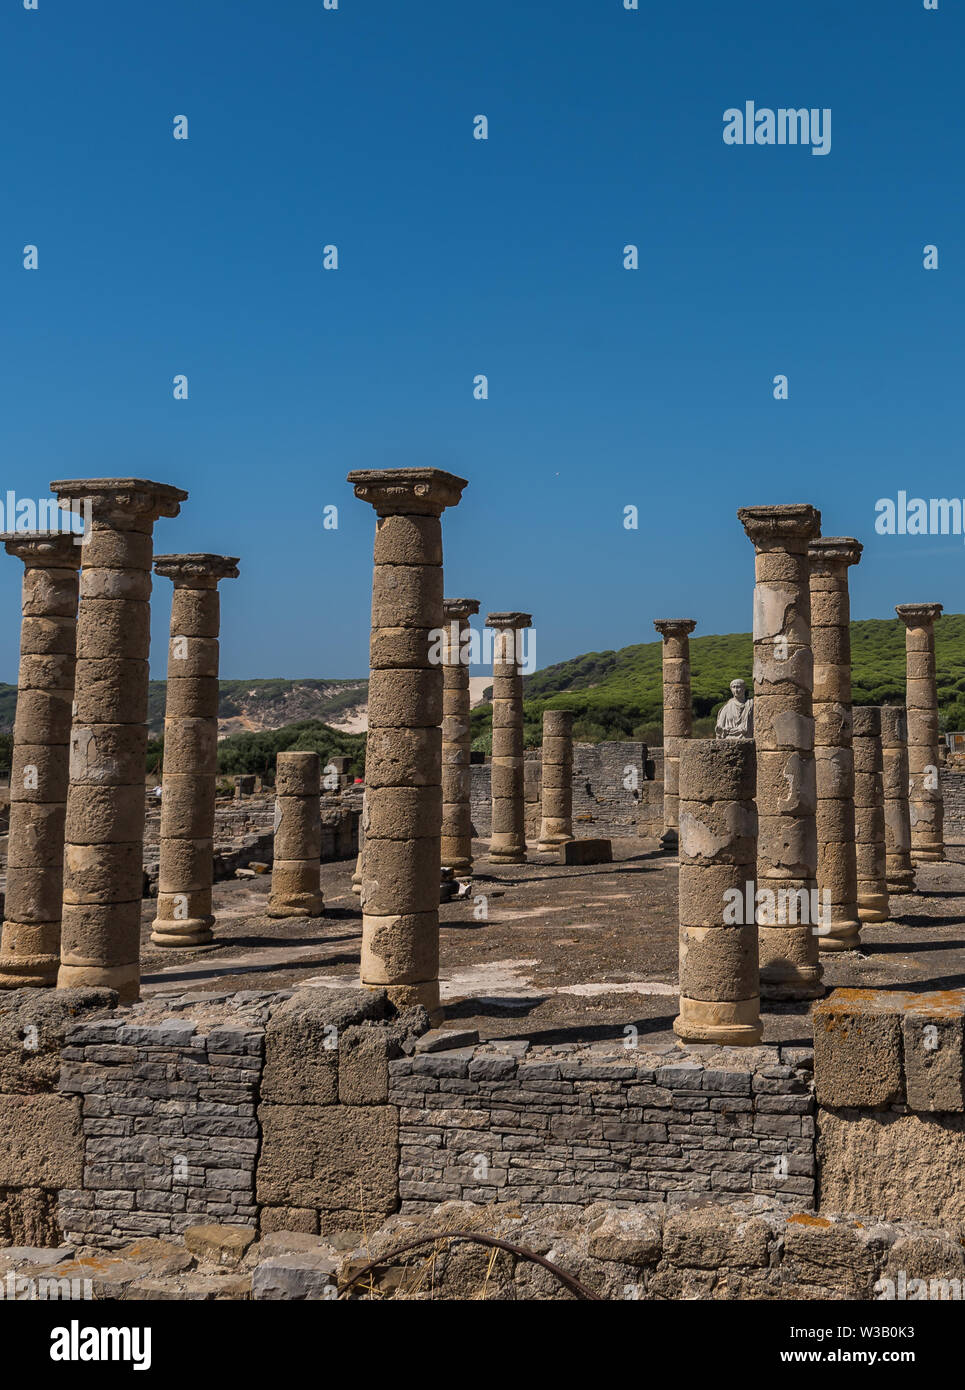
{"x":607,"y":387}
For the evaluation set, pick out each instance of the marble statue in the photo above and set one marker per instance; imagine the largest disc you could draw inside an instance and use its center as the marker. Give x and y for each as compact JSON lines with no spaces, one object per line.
{"x":736,"y":717}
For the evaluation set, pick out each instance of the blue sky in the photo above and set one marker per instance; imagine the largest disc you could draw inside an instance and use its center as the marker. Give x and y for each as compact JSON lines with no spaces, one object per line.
{"x":607,"y":387}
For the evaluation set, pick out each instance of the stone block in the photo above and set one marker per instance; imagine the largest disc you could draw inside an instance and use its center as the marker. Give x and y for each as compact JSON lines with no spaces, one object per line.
{"x":42,"y":1141}
{"x":586,"y":852}
{"x":858,"y":1048}
{"x":933,"y":1029}
{"x":340,"y":1157}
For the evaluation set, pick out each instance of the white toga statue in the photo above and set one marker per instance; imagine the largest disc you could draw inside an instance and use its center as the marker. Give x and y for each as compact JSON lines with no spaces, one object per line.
{"x":736,"y":718}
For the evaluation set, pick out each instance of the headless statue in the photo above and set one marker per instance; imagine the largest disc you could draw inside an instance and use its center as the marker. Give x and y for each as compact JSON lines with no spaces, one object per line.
{"x":736,"y":717}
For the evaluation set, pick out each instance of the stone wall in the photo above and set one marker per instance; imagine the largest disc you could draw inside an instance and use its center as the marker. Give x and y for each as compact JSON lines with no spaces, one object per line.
{"x":953,"y":790}
{"x":574,"y":1125}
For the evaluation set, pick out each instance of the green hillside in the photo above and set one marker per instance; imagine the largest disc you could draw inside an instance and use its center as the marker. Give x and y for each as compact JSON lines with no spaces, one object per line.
{"x":256,"y":752}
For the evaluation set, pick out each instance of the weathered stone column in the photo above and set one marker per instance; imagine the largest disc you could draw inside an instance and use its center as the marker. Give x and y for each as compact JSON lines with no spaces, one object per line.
{"x":456,"y":849}
{"x":677,"y":715}
{"x":298,"y":837}
{"x":830,"y":558}
{"x":190,"y":773}
{"x":784,"y":734}
{"x":30,"y":943}
{"x":508,"y":842}
{"x":556,"y":826}
{"x":894,"y":757}
{"x":926,"y":806}
{"x":719,"y":996}
{"x":403,"y":764}
{"x":103,"y":856}
{"x":869,"y":815}
{"x":357,"y":872}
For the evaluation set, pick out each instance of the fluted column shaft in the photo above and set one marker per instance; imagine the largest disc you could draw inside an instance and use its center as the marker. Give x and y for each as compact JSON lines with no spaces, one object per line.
{"x":298,"y":837}
{"x":403,"y":764}
{"x":103,"y":856}
{"x":869,"y":815}
{"x":926,"y":805}
{"x":719,"y":996}
{"x":456,"y":847}
{"x":30,"y":942}
{"x":556,"y":824}
{"x":677,"y":715}
{"x":190,"y":773}
{"x":894,"y":758}
{"x":784,"y":734}
{"x":508,"y":842}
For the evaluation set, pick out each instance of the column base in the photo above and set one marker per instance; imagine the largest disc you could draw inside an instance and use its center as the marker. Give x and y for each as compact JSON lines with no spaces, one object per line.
{"x":553,"y":843}
{"x":126,"y":979}
{"x":928,"y":856}
{"x":304,"y":907}
{"x":873,"y":907}
{"x":28,"y":972}
{"x":507,"y":856}
{"x":903,"y":882}
{"x":461,"y":868}
{"x":192,"y":931}
{"x":732,"y":1024}
{"x":425,"y":992}
{"x":670,"y":840}
{"x":843,"y":936}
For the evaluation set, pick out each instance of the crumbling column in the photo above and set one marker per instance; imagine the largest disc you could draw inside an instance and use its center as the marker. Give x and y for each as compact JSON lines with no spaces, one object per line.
{"x":677,"y":715}
{"x":830,"y":558}
{"x":190,"y":772}
{"x":869,"y":815}
{"x":508,"y":842}
{"x":103,"y":856}
{"x":456,"y":849}
{"x":894,"y":757}
{"x":30,"y":943}
{"x":556,"y":826}
{"x":357,"y":872}
{"x":719,"y":995}
{"x":403,"y":764}
{"x":298,"y":837}
{"x":784,"y":734}
{"x":926,"y":807}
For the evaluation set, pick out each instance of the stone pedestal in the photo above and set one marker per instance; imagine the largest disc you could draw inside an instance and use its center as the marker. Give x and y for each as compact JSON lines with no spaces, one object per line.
{"x":894,"y":759}
{"x":456,"y":850}
{"x":508,"y":842}
{"x":784,"y":734}
{"x":556,"y":825}
{"x":403,"y":765}
{"x":926,"y":806}
{"x":834,"y":762}
{"x":298,"y":837}
{"x":189,"y":779}
{"x":869,"y":815}
{"x":30,"y":943}
{"x":103,"y":855}
{"x":357,"y":871}
{"x":677,"y":715}
{"x":719,"y":998}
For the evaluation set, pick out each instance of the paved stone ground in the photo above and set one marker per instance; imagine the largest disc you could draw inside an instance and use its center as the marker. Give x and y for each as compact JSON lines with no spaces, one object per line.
{"x":566,"y":954}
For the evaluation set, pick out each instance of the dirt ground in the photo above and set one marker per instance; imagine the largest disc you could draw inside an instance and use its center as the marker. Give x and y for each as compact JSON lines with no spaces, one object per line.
{"x":553,"y":954}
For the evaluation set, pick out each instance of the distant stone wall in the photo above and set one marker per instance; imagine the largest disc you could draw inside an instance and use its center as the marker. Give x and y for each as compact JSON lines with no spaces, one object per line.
{"x":953,"y":790}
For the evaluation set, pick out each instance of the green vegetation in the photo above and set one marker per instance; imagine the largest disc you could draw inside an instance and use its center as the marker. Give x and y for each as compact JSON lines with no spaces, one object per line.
{"x":257,"y":752}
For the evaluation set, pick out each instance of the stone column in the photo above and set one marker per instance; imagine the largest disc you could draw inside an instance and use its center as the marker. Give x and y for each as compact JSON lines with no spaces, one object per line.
{"x":298,"y":837}
{"x":403,"y":764}
{"x":719,"y":998}
{"x":926,"y":806}
{"x":556,"y":826}
{"x":456,"y":739}
{"x":508,"y":842}
{"x":784,"y":734}
{"x":103,"y":856}
{"x":869,"y":815}
{"x":894,"y":757}
{"x":830,"y":558}
{"x":357,"y":872}
{"x":30,"y":943}
{"x":190,"y":774}
{"x":677,"y":715}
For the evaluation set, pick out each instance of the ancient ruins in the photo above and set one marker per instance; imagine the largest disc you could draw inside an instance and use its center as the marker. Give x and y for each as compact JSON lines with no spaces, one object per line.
{"x":663,"y":1012}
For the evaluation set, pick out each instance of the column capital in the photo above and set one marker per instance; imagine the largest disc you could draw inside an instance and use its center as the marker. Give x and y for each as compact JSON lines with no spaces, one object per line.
{"x":457,"y":609}
{"x":515,"y":621}
{"x":919,"y":614}
{"x":407,"y":491}
{"x":45,"y":549}
{"x":674,"y":627}
{"x":792,"y":521}
{"x":121,"y":500}
{"x":834,"y":552}
{"x":196,"y":571}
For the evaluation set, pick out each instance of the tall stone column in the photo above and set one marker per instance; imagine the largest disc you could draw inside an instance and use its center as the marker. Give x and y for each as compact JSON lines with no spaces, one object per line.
{"x":456,"y":739}
{"x":869,"y":815}
{"x":926,"y":806}
{"x":830,"y":558}
{"x":30,"y":942}
{"x":556,"y":826}
{"x":298,"y":837}
{"x":894,"y":757}
{"x":403,"y":764}
{"x":357,"y":872}
{"x":784,"y":734}
{"x":190,"y":773}
{"x":508,"y":842}
{"x":103,"y":856}
{"x":677,"y":715}
{"x":719,"y":997}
